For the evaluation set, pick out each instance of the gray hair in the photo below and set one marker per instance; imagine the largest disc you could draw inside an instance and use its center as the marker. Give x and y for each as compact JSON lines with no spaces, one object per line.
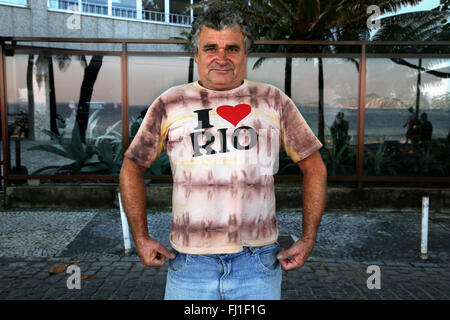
{"x":220,"y":18}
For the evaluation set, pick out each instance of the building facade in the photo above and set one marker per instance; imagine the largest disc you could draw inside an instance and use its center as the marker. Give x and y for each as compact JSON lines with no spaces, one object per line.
{"x":109,"y":19}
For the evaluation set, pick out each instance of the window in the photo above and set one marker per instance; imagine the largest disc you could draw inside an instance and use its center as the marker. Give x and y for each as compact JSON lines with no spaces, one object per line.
{"x":124,"y":8}
{"x":95,"y":6}
{"x":14,"y":2}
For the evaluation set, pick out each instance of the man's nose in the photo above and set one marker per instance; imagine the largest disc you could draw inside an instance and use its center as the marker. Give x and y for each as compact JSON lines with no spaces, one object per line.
{"x":221,"y":54}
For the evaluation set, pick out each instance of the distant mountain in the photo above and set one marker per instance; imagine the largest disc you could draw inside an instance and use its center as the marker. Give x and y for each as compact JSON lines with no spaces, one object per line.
{"x":441,"y":102}
{"x":373,"y":101}
{"x":385,"y":103}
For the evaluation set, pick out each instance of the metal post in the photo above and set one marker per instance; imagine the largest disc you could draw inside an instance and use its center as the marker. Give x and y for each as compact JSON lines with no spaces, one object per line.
{"x":361,"y":112}
{"x":4,"y":117}
{"x":125,"y":112}
{"x":191,"y":11}
{"x":125,"y":227}
{"x":110,"y":8}
{"x":424,"y":237}
{"x":139,"y":9}
{"x":167,"y":11}
{"x":80,"y":5}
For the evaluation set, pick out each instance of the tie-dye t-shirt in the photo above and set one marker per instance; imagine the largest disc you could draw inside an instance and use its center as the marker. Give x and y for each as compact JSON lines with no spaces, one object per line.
{"x":223,"y":149}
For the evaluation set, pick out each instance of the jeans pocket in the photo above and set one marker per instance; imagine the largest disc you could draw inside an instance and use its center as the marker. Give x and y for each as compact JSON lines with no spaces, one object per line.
{"x":179,"y":263}
{"x":268,"y":257}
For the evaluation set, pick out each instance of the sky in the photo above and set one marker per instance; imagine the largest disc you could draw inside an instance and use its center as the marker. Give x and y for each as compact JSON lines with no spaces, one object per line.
{"x":424,"y":5}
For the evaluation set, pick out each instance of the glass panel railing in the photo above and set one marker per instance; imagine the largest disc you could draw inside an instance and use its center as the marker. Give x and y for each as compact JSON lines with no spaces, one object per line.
{"x":407,"y":117}
{"x":329,"y":106}
{"x":143,"y":90}
{"x":64,"y":114}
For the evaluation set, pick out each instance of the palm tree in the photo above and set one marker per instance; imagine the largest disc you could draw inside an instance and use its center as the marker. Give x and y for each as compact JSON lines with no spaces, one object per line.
{"x":45,"y":63}
{"x":91,"y":72}
{"x":308,"y":20}
{"x":44,"y":70}
{"x":185,"y":36}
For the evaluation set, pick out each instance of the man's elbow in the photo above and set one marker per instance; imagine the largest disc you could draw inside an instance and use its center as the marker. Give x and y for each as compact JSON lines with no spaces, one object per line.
{"x":319,"y":171}
{"x":322,"y":169}
{"x":130,"y":169}
{"x":313,"y":166}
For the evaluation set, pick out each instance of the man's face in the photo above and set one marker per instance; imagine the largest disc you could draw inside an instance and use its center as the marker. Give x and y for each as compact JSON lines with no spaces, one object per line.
{"x":221,"y":58}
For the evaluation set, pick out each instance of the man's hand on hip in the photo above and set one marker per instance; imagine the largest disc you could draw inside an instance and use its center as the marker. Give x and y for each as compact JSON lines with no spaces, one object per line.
{"x":152,"y":253}
{"x":295,"y":257}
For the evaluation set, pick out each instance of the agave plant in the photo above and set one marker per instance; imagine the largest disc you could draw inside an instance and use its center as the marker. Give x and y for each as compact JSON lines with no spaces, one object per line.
{"x":380,"y":162}
{"x":426,"y":161}
{"x":82,"y":155}
{"x":100,"y":154}
{"x":336,"y":160}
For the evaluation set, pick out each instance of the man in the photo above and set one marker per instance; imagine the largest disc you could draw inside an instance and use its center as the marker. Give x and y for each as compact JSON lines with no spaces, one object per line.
{"x":339,"y":131}
{"x":222,"y":136}
{"x":425,"y":130}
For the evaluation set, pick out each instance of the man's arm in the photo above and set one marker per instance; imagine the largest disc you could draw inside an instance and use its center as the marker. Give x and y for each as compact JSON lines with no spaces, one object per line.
{"x":314,"y":198}
{"x":133,"y":194}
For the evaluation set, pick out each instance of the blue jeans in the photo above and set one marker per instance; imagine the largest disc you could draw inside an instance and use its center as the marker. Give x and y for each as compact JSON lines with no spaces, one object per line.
{"x":252,"y":274}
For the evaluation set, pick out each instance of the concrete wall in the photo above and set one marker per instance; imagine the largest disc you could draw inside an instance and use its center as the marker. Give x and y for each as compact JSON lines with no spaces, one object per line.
{"x":288,"y":196}
{"x":37,"y":21}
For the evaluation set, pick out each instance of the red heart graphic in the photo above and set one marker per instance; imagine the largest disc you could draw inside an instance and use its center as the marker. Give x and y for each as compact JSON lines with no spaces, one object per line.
{"x":234,"y":114}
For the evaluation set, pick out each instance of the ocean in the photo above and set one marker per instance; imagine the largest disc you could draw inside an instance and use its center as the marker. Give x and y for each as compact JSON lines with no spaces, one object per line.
{"x":380,"y":124}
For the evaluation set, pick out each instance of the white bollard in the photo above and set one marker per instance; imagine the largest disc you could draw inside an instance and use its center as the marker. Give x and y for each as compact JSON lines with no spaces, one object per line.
{"x":424,"y":238}
{"x":125,"y":228}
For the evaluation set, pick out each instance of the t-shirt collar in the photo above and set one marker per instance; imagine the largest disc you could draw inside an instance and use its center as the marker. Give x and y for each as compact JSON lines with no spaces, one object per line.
{"x":243,"y":85}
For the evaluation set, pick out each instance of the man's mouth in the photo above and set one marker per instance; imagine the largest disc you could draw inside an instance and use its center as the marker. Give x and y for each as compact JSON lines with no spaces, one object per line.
{"x":221,"y":71}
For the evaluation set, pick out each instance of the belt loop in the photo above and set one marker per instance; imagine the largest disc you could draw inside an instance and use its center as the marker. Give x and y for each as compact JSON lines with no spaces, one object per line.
{"x":251,"y":249}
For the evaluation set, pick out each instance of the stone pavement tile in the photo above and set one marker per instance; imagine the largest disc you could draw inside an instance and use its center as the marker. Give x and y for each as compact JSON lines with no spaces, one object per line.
{"x":140,"y":291}
{"x":104,"y":293}
{"x":155,"y":293}
{"x":105,"y":270}
{"x":290,"y":295}
{"x":137,"y":267}
{"x":388,"y":294}
{"x":131,"y":258}
{"x":435,"y":293}
{"x":122,"y":264}
{"x":101,"y":263}
{"x":118,"y":272}
{"x":158,"y":286}
{"x":123,"y":293}
{"x":305,"y":268}
{"x":354,"y":293}
{"x":150,"y":271}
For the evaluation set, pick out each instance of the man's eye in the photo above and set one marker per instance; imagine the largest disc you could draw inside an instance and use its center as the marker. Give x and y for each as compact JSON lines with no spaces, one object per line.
{"x":210,"y":49}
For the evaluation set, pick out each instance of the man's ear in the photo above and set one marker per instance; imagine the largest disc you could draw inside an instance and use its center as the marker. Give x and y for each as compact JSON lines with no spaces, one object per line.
{"x":196,"y":58}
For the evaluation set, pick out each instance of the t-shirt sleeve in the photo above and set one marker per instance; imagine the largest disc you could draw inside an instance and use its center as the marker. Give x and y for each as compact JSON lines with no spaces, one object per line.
{"x":297,"y":138}
{"x":149,"y":142}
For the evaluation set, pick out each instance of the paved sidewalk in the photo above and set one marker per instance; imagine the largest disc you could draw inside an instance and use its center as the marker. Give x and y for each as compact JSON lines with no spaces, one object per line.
{"x":32,"y":242}
{"x":123,"y":277}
